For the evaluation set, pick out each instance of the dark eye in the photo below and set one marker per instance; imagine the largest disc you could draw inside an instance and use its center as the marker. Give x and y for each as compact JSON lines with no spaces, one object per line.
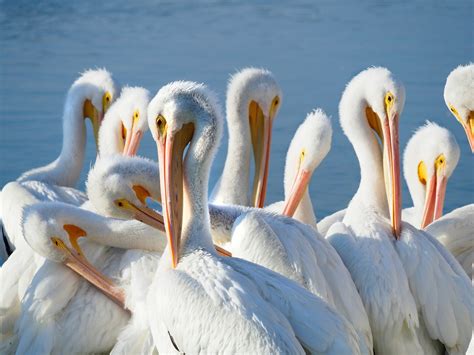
{"x":389,"y":98}
{"x":452,"y":109}
{"x":120,"y":204}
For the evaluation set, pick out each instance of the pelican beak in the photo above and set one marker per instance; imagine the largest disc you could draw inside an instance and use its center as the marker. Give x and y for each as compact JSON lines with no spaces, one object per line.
{"x":300,"y":185}
{"x":261,"y":133}
{"x":171,"y":146}
{"x":91,"y":112}
{"x":76,"y":261}
{"x":391,"y":163}
{"x":133,"y":138}
{"x":435,"y":193}
{"x":143,"y":214}
{"x":469,"y":128}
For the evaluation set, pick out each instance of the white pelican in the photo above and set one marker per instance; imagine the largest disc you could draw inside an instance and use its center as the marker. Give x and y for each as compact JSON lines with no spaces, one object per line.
{"x":89,"y":97}
{"x":459,"y":97}
{"x":266,"y":312}
{"x":416,"y":295}
{"x":253,"y":101}
{"x":22,"y":265}
{"x":130,"y":110}
{"x":60,"y":302}
{"x":309,"y":146}
{"x":430,"y":158}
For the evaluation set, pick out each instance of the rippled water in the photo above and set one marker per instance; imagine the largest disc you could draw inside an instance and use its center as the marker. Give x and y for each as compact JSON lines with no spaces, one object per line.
{"x":312,"y":47}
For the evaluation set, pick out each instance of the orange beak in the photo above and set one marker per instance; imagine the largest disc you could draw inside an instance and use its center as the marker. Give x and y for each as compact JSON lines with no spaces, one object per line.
{"x":132,"y":139}
{"x":171,"y":147}
{"x":144,"y":214}
{"x":76,"y":261}
{"x":469,"y":129}
{"x":298,"y":189}
{"x":261,"y":133}
{"x":435,"y":194}
{"x":391,"y":158}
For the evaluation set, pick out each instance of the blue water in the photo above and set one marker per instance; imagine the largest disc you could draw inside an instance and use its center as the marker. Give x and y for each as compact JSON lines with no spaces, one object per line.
{"x":312,"y":47}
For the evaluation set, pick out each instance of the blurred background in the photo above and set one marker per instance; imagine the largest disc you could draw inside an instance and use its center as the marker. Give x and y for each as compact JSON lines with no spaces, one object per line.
{"x":313,"y":47}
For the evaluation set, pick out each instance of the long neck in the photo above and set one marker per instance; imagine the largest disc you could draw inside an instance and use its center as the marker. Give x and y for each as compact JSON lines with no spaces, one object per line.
{"x":120,"y":233}
{"x":233,"y":186}
{"x":196,"y":179}
{"x":371,"y":191}
{"x":66,"y":169}
{"x":110,"y":134}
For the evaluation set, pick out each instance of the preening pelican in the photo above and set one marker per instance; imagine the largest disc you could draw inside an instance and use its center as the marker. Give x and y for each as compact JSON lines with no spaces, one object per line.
{"x":89,"y":97}
{"x":267,"y":312}
{"x":430,"y":158}
{"x":253,"y":101}
{"x":309,"y":146}
{"x":87,"y":320}
{"x":459,"y":97}
{"x":416,"y":295}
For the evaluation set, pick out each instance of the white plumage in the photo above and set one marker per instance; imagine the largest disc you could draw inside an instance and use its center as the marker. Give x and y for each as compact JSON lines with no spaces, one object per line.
{"x":266,"y":312}
{"x":253,"y":101}
{"x":309,"y":146}
{"x":459,"y":97}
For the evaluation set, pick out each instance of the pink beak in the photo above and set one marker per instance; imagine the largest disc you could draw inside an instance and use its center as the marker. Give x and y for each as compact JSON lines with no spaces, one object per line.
{"x":298,"y":189}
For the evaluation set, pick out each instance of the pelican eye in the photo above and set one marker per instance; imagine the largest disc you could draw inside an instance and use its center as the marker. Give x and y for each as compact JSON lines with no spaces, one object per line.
{"x":136,"y":114}
{"x":106,"y":100}
{"x":440,"y":161}
{"x":161,"y":124}
{"x":389,"y":99}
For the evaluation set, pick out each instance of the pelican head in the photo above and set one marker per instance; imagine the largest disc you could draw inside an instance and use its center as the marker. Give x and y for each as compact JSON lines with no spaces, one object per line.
{"x":125,"y":122}
{"x":95,"y":90}
{"x":459,"y":97}
{"x":379,"y":100}
{"x":254,"y":99}
{"x":186,"y":124}
{"x":49,"y":229}
{"x":430,"y":158}
{"x":119,"y":187}
{"x":309,"y":146}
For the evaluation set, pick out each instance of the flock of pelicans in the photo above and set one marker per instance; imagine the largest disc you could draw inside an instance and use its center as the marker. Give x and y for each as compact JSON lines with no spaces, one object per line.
{"x":104,"y":271}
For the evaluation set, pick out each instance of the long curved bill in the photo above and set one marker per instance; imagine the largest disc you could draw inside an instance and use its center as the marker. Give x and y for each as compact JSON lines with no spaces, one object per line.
{"x":261,"y":134}
{"x":170,"y":155}
{"x":77,"y":262}
{"x":133,"y":139}
{"x":391,"y":161}
{"x":145,"y":215}
{"x":435,"y":194}
{"x":96,"y":118}
{"x":300,"y":185}
{"x":469,"y":129}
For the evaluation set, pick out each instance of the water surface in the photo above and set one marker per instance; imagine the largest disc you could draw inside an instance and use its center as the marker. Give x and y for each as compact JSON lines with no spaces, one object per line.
{"x":312,"y":47}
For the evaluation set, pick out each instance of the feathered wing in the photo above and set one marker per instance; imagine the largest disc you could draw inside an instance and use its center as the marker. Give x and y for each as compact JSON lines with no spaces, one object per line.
{"x":298,"y":252}
{"x":138,"y":269}
{"x":264,"y":312}
{"x":12,"y":280}
{"x":318,"y":327}
{"x":455,"y":231}
{"x":375,"y":269}
{"x":49,"y":293}
{"x":279,"y":246}
{"x":443,"y":293}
